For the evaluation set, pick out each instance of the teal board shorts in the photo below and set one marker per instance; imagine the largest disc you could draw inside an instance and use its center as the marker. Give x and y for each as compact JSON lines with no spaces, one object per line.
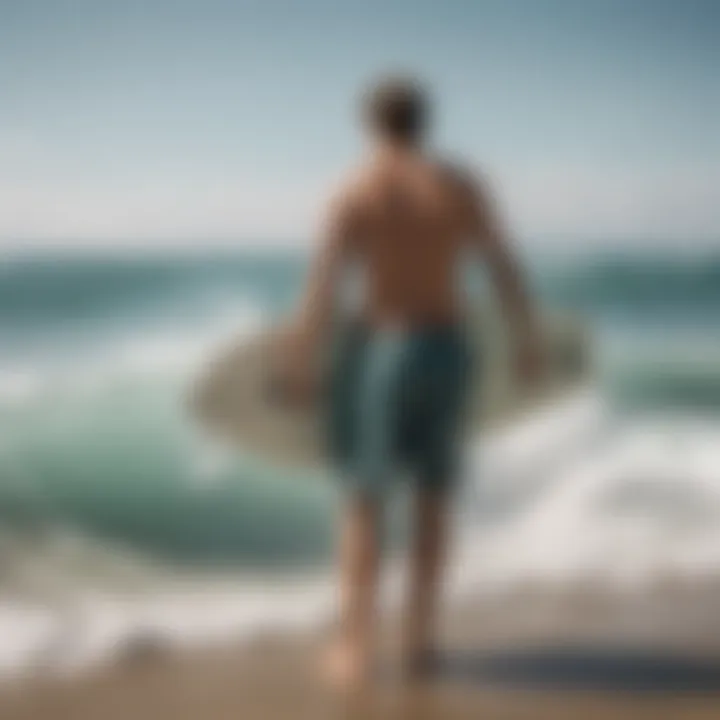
{"x":396,"y":402}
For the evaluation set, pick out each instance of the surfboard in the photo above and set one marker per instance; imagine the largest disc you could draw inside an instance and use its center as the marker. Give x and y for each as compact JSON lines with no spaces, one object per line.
{"x":232,"y":398}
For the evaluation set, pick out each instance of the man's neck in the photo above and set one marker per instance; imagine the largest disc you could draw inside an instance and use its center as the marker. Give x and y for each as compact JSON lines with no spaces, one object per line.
{"x":394,"y":151}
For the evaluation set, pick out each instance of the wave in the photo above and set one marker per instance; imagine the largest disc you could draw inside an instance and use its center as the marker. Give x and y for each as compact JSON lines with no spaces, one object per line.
{"x":642,"y":284}
{"x":50,"y":373}
{"x":65,"y":291}
{"x":588,"y":502}
{"x":104,"y":483}
{"x":642,"y":506}
{"x":97,"y":601}
{"x":661,"y":368}
{"x":689,"y":387}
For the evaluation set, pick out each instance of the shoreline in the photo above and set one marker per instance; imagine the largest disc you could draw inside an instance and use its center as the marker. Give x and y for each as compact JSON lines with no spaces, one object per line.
{"x":537,"y":653}
{"x":190,"y":611}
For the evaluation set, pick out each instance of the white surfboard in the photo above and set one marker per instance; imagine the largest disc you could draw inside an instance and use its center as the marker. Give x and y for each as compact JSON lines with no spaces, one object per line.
{"x":233,"y":398}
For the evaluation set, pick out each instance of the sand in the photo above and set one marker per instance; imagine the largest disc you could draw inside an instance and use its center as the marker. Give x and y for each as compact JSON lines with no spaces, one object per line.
{"x":532,"y":653}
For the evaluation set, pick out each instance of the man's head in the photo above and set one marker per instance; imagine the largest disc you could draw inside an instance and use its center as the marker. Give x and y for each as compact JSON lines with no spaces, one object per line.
{"x":396,"y":109}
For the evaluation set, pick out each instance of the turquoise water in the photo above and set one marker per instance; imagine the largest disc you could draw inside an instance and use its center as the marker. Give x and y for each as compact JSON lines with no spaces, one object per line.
{"x":97,"y":353}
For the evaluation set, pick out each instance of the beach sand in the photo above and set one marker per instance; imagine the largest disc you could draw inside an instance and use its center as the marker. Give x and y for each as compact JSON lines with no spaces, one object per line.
{"x":532,"y":653}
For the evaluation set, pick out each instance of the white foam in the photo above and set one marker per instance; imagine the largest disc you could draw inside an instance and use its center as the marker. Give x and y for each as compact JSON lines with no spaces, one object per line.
{"x":146,"y":353}
{"x":18,"y":385}
{"x":24,"y":632}
{"x":182,"y":350}
{"x":573,"y":530}
{"x":205,"y":613}
{"x":534,"y":445}
{"x":101,"y":625}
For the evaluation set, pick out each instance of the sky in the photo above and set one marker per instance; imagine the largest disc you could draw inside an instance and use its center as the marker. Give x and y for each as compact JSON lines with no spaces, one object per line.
{"x":163,"y":122}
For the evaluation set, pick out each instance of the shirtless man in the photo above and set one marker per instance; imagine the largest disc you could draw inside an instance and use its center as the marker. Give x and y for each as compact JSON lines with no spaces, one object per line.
{"x":397,"y":382}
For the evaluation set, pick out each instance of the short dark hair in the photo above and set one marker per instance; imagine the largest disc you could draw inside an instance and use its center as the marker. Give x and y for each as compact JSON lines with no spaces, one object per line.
{"x":397,"y":107}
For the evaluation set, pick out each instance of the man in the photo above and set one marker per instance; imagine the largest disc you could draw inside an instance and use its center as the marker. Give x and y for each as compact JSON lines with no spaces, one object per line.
{"x":398,"y":380}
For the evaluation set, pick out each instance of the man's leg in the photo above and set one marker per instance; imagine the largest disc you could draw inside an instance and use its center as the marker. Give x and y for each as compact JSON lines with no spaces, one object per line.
{"x":373,"y":410}
{"x":427,"y":562}
{"x":439,"y":368}
{"x":350,"y":658}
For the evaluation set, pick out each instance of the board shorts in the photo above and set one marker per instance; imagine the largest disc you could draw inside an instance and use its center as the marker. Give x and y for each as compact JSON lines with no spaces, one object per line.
{"x":396,"y":401}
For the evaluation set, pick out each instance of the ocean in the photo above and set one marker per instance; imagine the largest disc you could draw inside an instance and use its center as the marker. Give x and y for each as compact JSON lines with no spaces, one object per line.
{"x":118,"y":517}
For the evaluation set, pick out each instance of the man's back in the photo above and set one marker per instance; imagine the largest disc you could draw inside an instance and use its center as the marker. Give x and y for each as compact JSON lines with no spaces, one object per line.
{"x":409,"y":218}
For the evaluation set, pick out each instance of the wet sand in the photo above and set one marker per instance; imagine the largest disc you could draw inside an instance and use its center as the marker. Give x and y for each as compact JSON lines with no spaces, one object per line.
{"x":535,"y":653}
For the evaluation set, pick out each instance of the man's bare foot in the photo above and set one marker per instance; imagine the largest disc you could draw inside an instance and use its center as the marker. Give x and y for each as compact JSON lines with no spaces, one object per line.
{"x":419,"y":664}
{"x":345,"y":667}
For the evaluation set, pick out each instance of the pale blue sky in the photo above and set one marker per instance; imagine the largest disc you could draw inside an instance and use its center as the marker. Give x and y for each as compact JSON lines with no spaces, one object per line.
{"x":167,"y":120}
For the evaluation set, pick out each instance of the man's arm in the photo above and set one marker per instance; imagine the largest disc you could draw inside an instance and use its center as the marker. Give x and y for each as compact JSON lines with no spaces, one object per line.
{"x":491,"y":238}
{"x":338,"y":234}
{"x":297,"y":362}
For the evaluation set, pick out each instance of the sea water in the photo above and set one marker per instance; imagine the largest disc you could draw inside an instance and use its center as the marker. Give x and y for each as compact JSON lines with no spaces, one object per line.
{"x":118,"y":517}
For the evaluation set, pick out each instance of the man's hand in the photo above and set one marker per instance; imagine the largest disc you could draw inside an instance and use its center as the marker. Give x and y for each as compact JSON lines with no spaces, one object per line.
{"x":529,"y":362}
{"x":295,"y":368}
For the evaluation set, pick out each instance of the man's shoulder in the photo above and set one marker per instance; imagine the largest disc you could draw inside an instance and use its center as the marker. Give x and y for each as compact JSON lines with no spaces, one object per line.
{"x":359,"y":189}
{"x":342,"y":190}
{"x":348,"y":197}
{"x":354,"y":183}
{"x":460,"y":175}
